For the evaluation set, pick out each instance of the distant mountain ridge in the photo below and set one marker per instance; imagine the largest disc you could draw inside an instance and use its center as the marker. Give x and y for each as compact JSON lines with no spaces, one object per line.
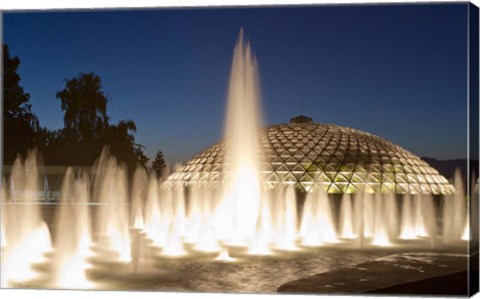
{"x":447,"y":167}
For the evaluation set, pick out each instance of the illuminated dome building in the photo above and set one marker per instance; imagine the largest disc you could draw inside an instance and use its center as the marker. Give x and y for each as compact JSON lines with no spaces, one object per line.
{"x":313,"y":155}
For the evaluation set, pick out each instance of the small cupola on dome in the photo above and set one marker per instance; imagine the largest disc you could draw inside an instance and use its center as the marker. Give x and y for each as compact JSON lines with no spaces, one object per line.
{"x":301,"y":119}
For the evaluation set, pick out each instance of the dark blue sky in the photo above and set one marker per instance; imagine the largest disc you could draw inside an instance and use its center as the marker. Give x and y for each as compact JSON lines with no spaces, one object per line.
{"x":397,"y":71}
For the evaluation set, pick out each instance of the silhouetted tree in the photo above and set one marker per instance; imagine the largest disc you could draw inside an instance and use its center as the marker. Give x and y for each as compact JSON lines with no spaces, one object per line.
{"x":87,"y":129}
{"x":85,"y":107}
{"x":141,"y":157}
{"x":159,"y":164}
{"x":46,"y":139}
{"x":20,"y":123}
{"x":122,"y":143}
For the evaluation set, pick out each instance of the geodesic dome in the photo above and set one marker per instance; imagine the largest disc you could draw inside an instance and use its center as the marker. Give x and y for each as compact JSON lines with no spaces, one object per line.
{"x":313,"y":155}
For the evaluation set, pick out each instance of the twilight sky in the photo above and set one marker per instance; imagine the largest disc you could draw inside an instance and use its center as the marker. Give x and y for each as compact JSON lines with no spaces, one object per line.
{"x":397,"y":71}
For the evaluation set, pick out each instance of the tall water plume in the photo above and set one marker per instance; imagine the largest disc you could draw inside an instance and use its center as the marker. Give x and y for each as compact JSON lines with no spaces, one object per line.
{"x":202,"y":229}
{"x":407,"y":229}
{"x":138,"y":196}
{"x":111,"y":191}
{"x":73,"y":235}
{"x":346,"y":218}
{"x":243,"y":122}
{"x":359,"y":218}
{"x":391,"y":214}
{"x":429,"y":219}
{"x":368,"y":214}
{"x":470,"y":231}
{"x":454,"y":208}
{"x":152,"y":212}
{"x":166,"y":211}
{"x":264,"y":231}
{"x":177,"y":227}
{"x":285,"y":211}
{"x":318,"y":224}
{"x":381,"y":233}
{"x":420,"y":215}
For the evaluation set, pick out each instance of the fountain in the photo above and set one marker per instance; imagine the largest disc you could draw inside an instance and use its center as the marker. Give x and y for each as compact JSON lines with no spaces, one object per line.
{"x":107,"y":219}
{"x":420,"y":216}
{"x":139,"y":190}
{"x":359,"y":215}
{"x":260,"y":244}
{"x":454,"y":208}
{"x":242,"y":193}
{"x":368,"y":212}
{"x":346,"y":218}
{"x":472,"y":205}
{"x":381,"y":234}
{"x":73,"y":236}
{"x":174,"y":245}
{"x":204,"y":227}
{"x":225,"y":257}
{"x":285,"y":222}
{"x":318,"y":225}
{"x":29,"y":239}
{"x":126,"y":224}
{"x":152,"y":212}
{"x":110,"y":189}
{"x":408,"y":223}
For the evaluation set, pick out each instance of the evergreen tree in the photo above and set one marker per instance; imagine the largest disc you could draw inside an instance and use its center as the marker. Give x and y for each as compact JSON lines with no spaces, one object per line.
{"x":159,"y":164}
